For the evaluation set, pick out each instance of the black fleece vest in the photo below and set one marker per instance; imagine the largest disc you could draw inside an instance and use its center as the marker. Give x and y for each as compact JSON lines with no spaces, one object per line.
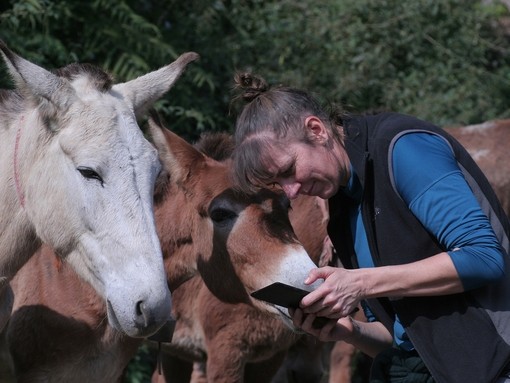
{"x":463,"y":337}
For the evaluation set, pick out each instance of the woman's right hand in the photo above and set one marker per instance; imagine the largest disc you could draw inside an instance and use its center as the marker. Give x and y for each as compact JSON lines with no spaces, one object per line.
{"x":330,"y":331}
{"x":369,"y":337}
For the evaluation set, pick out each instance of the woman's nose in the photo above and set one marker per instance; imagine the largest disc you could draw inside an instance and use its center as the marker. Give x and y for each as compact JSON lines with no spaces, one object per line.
{"x":291,"y":190}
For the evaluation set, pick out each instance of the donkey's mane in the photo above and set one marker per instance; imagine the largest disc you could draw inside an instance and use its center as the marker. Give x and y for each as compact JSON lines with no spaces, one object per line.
{"x":11,"y":103}
{"x":101,"y":80}
{"x":218,"y":145}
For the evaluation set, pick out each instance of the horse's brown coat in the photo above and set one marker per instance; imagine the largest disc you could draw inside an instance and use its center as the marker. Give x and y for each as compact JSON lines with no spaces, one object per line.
{"x":489,"y":145}
{"x":231,"y":342}
{"x":59,"y":331}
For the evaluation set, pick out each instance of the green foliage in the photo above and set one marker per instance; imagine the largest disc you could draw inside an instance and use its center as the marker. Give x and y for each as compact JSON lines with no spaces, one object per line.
{"x":440,"y":60}
{"x":446,"y":61}
{"x":141,"y":367}
{"x":107,"y":33}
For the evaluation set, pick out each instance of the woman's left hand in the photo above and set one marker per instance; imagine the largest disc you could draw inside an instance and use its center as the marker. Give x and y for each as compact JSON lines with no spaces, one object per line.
{"x":337,"y":297}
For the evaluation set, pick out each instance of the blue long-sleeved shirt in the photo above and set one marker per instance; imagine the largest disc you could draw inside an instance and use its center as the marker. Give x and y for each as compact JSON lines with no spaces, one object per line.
{"x":429,"y":180}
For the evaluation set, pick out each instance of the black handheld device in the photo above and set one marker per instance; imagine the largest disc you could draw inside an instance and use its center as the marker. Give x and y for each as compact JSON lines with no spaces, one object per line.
{"x":281,"y":294}
{"x":287,"y":296}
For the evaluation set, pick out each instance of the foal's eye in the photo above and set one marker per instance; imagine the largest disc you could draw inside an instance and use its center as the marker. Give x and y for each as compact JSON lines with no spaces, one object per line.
{"x":90,"y":174}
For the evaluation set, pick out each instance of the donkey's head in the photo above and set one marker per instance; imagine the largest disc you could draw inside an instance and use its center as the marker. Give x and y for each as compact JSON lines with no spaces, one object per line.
{"x":238,"y":243}
{"x":85,"y":176}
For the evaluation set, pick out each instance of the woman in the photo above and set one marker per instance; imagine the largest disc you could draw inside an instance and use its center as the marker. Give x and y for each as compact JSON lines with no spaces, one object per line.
{"x":414,"y":221}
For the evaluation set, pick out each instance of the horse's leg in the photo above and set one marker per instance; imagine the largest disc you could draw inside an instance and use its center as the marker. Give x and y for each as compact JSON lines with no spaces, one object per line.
{"x":6,"y":302}
{"x":6,"y":363}
{"x":263,"y":372}
{"x":225,"y":363}
{"x":345,"y":358}
{"x":304,"y":362}
{"x":199,"y":374}
{"x":171,"y":370}
{"x":340,"y":362}
{"x":157,"y":377}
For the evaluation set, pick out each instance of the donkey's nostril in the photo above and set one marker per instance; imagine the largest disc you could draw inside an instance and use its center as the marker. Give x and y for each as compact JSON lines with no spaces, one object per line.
{"x":149,"y":318}
{"x":141,"y":312}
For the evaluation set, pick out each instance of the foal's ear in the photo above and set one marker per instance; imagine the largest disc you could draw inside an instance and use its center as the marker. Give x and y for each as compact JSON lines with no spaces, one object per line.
{"x":158,"y":135}
{"x":178,"y":157}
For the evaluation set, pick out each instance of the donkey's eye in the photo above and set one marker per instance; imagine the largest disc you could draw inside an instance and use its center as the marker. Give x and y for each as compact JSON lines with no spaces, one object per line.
{"x":90,"y":174}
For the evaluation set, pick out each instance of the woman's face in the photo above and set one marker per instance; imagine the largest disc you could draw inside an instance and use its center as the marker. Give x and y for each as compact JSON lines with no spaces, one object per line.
{"x":310,"y":169}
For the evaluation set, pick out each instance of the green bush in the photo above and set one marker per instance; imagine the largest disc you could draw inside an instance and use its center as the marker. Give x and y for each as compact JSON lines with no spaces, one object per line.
{"x":446,"y":61}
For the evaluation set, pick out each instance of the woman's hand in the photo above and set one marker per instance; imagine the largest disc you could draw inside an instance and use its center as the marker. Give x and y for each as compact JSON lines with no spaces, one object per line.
{"x":343,"y":289}
{"x":330,"y":331}
{"x":369,"y":337}
{"x":337,"y":297}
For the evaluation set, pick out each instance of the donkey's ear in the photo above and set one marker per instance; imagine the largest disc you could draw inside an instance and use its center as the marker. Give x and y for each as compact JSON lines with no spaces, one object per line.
{"x":143,"y":91}
{"x":32,"y":80}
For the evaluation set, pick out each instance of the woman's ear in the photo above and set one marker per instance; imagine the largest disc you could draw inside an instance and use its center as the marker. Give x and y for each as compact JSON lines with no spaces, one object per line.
{"x":315,"y":129}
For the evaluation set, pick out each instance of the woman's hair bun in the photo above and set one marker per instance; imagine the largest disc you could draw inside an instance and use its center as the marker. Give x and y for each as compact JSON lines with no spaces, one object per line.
{"x":249,"y":86}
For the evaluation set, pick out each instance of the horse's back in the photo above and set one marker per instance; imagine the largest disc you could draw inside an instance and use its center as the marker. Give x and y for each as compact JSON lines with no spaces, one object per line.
{"x":489,"y":145}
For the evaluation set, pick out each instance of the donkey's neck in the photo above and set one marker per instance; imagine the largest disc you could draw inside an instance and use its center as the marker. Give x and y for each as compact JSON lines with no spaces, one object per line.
{"x":18,"y":240}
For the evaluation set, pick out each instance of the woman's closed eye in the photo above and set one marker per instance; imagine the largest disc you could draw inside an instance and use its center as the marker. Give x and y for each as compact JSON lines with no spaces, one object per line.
{"x":274,"y":186}
{"x":288,"y":171}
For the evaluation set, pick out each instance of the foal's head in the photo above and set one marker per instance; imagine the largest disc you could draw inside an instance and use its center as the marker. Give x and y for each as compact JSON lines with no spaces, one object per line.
{"x":237,"y":242}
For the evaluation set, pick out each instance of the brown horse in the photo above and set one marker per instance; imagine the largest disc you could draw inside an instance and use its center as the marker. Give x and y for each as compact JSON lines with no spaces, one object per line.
{"x":234,"y":341}
{"x":58,"y":331}
{"x":211,"y":235}
{"x":489,"y":145}
{"x":228,"y":337}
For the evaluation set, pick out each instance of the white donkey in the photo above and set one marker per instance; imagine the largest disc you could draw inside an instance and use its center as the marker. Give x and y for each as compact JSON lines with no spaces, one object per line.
{"x":77,"y":173}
